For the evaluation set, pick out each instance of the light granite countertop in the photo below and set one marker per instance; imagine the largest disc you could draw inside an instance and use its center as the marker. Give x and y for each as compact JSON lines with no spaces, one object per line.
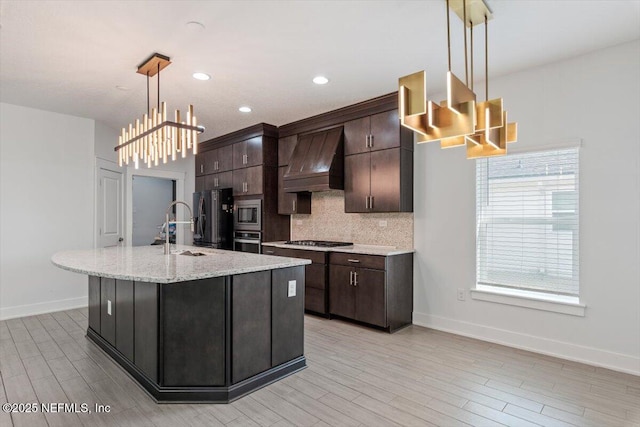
{"x":353,"y":249}
{"x":149,"y":264}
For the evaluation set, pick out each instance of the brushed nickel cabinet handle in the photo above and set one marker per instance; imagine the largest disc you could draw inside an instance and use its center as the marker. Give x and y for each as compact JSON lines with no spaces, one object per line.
{"x":294,"y":205}
{"x":353,"y":260}
{"x":268,"y":252}
{"x":355,"y":278}
{"x":201,"y":168}
{"x":351,"y":278}
{"x":371,"y":202}
{"x":370,"y":141}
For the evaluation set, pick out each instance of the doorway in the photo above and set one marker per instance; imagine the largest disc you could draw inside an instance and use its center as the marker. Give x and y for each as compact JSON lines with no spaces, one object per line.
{"x":150,"y":196}
{"x":109,"y":222}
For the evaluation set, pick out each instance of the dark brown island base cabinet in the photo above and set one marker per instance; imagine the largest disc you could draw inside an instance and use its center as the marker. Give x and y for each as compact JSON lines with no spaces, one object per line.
{"x":208,"y":340}
{"x":372,"y":289}
{"x":316,"y":293}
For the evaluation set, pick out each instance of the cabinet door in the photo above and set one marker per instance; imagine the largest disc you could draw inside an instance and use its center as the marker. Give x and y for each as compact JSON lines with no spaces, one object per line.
{"x":251,"y":324}
{"x":357,"y":177}
{"x":210,"y":181}
{"x":286,"y":201}
{"x":200,"y":183}
{"x":254,"y":181}
{"x":287,"y":314}
{"x":385,"y":130}
{"x":239,"y":150}
{"x":291,"y":203}
{"x":355,"y":136}
{"x":224,"y":180}
{"x":385,"y":181}
{"x":370,"y":296}
{"x":124,"y":318}
{"x":285,"y":149}
{"x":200,"y":163}
{"x":225,"y":158}
{"x":254,"y":151}
{"x":342,"y":292}
{"x":239,"y":180}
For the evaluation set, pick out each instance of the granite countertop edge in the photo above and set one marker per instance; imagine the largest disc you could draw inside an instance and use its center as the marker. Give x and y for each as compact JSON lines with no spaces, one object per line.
{"x":354,"y":249}
{"x":147,"y":265}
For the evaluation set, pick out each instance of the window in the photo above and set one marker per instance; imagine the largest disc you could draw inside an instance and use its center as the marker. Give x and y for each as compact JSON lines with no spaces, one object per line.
{"x":527,"y":224}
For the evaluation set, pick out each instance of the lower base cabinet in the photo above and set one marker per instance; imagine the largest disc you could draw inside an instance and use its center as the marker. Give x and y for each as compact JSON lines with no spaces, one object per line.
{"x":316,"y":288}
{"x":377,"y":290}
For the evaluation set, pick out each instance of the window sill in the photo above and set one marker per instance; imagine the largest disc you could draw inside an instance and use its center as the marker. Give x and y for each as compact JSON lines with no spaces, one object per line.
{"x":528,"y":299}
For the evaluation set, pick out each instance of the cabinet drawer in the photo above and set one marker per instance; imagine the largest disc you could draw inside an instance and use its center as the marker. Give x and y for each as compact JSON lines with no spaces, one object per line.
{"x":315,"y":256}
{"x":358,"y":260}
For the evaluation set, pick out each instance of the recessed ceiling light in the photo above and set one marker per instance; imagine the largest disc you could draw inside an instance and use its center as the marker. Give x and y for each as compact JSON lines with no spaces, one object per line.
{"x":124,"y":88}
{"x":320,"y":80}
{"x":244,"y":109}
{"x":201,"y":76}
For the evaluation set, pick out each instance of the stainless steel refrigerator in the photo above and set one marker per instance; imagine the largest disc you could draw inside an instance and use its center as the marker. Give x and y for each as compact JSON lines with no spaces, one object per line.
{"x":213,"y":212}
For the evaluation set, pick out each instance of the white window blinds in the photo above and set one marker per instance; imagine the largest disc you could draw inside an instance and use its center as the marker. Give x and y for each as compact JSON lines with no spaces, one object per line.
{"x":527,"y":221}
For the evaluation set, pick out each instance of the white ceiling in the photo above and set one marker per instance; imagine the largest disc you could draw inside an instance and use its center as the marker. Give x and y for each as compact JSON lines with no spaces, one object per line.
{"x":69,"y":56}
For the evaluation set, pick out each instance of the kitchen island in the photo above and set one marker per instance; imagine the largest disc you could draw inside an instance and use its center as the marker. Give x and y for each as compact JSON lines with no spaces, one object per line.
{"x":207,"y":328}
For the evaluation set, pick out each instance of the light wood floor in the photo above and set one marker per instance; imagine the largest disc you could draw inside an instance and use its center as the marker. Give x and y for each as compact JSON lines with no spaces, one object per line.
{"x":356,"y":377}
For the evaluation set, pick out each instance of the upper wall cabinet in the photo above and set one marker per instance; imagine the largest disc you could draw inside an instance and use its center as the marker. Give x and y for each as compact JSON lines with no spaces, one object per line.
{"x":247,"y":153}
{"x":376,"y":132}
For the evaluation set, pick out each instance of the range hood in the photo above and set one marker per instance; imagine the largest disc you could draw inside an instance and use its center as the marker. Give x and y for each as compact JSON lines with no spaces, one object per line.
{"x":317,"y":162}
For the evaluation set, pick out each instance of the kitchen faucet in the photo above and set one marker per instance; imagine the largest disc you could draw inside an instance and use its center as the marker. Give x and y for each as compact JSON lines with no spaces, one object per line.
{"x":167,"y":245}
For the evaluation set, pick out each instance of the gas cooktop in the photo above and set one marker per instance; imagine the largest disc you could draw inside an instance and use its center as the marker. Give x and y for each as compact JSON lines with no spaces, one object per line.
{"x":320,"y":243}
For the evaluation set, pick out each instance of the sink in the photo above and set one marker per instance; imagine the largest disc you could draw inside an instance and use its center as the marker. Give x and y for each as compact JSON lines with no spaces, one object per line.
{"x":189,"y":253}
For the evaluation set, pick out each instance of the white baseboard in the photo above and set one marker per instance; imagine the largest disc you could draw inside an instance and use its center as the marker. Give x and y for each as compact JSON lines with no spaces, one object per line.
{"x":577,"y":353}
{"x":42,"y":307}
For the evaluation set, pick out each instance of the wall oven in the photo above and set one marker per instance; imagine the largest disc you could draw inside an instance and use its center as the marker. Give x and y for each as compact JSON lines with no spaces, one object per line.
{"x":247,"y":215}
{"x":247,"y":241}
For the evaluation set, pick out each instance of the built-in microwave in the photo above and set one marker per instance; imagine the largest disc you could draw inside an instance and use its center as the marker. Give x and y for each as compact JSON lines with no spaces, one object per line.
{"x":247,"y":215}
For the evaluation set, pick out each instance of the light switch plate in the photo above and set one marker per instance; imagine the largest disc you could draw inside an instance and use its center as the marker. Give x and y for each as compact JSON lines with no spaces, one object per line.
{"x":292,"y":289}
{"x":382,"y":223}
{"x":298,"y":222}
{"x":109,"y":307}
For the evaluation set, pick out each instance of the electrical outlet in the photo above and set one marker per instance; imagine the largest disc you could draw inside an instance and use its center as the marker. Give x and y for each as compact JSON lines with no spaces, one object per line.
{"x":382,"y":223}
{"x":461,"y":294}
{"x":292,"y":289}
{"x":298,"y":222}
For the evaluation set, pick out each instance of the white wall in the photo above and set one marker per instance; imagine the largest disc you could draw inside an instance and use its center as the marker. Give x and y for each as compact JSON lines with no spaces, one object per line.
{"x":46,"y":205}
{"x":105,"y":139}
{"x":596,"y":98}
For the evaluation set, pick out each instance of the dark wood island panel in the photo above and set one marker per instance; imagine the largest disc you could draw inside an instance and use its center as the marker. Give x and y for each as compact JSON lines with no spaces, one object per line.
{"x":207,"y":340}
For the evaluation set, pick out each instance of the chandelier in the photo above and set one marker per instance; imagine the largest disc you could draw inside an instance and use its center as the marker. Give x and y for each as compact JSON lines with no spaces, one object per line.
{"x":459,"y":120}
{"x":154,"y":138}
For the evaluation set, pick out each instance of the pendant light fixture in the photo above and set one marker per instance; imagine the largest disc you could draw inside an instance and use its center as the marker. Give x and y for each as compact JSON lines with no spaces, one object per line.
{"x":459,"y":120}
{"x":154,"y":138}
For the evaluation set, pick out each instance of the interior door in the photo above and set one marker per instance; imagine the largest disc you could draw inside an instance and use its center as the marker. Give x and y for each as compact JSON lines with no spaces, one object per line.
{"x":109,"y":207}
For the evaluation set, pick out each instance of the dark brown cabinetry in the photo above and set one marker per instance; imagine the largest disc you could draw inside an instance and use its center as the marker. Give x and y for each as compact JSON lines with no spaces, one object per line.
{"x":376,"y":132}
{"x":316,"y":289}
{"x":379,"y":181}
{"x":376,"y":290}
{"x":248,"y":181}
{"x":247,"y":153}
{"x":291,"y":203}
{"x":246,"y":161}
{"x":208,"y":340}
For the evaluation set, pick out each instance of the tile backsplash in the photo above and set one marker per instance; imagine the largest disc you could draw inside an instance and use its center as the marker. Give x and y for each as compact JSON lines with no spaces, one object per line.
{"x":328,"y":221}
